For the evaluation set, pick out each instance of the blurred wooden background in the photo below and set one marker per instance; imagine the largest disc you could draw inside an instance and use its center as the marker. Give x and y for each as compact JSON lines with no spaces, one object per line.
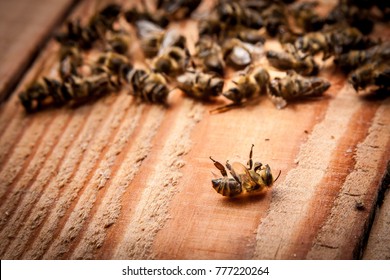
{"x":117,"y":179}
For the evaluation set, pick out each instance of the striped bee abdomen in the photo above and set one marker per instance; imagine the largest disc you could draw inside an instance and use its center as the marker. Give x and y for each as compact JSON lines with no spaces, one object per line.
{"x":227,"y":186}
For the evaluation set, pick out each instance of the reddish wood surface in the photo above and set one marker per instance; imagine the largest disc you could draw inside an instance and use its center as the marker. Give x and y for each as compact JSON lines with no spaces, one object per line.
{"x":118,"y":179}
{"x":24,"y":27}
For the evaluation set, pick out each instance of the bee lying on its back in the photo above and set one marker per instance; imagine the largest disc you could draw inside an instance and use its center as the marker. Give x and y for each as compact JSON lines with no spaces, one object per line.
{"x":252,"y":179}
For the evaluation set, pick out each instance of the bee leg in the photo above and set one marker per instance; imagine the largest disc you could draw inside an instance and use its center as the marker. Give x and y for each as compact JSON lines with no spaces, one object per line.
{"x":250,"y":161}
{"x":220,"y":167}
{"x":225,"y":108}
{"x":232,"y":172}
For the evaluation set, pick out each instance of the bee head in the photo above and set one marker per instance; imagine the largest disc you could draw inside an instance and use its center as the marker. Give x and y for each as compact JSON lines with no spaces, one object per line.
{"x":320,"y":84}
{"x":216,"y":86}
{"x":216,"y":183}
{"x":233,"y":94}
{"x":261,"y":76}
{"x":264,"y":171}
{"x":355,"y":81}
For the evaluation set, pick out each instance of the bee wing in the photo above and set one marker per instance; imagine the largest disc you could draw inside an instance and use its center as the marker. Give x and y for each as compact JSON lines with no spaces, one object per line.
{"x":243,"y":174}
{"x":170,"y":38}
{"x":240,"y":56}
{"x":278,"y":101}
{"x":146,"y":28}
{"x":256,"y":50}
{"x":186,"y":79}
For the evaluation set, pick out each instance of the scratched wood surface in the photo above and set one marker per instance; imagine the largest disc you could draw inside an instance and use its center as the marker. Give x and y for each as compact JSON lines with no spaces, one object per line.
{"x":117,"y":179}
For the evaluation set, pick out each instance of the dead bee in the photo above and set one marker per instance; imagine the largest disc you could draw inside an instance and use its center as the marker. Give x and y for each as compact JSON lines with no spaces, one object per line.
{"x":211,"y":26}
{"x":315,"y":42}
{"x":353,"y":59}
{"x":148,"y":86}
{"x":103,"y":20}
{"x":232,"y":19}
{"x":276,"y":22}
{"x":346,"y":39}
{"x":305,"y":16}
{"x":70,"y":59}
{"x":251,"y":82}
{"x":178,"y":9}
{"x":118,"y":41}
{"x":239,"y":54}
{"x":85,"y":36}
{"x":172,"y":58}
{"x":76,"y":90}
{"x":371,"y":74}
{"x":172,"y":61}
{"x":41,"y":94}
{"x":199,"y":85}
{"x":113,"y":63}
{"x":251,"y":179}
{"x":79,"y":90}
{"x":235,"y":13}
{"x":333,"y":42}
{"x":209,"y":55}
{"x":291,"y":59}
{"x":353,"y":13}
{"x":294,"y":86}
{"x":157,"y":17}
{"x":151,"y":37}
{"x":154,"y":39}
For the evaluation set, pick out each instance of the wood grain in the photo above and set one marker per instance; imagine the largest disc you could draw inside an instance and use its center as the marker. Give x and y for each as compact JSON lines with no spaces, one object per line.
{"x":118,"y":179}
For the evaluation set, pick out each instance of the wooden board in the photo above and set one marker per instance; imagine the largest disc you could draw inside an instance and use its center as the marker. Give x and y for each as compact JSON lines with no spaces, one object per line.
{"x":25,"y":26}
{"x":118,"y":179}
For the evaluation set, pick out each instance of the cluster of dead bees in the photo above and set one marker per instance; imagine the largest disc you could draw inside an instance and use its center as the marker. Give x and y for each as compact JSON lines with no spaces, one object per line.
{"x":231,"y":35}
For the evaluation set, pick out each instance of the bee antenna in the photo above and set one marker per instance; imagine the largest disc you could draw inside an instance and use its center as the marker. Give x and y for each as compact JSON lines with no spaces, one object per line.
{"x":277,"y":177}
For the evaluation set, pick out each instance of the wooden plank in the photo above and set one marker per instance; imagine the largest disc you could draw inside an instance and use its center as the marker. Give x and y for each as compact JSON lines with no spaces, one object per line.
{"x":118,"y":179}
{"x":378,"y":246}
{"x":25,"y":26}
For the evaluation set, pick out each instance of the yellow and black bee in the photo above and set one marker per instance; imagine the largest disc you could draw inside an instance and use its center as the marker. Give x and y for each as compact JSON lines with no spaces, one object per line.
{"x":333,"y":42}
{"x":148,"y":86}
{"x":95,"y":29}
{"x":252,"y":179}
{"x":294,"y":86}
{"x":114,"y":64}
{"x":371,"y":74}
{"x":292,"y":59}
{"x":306,"y":17}
{"x":41,"y":93}
{"x":252,"y":82}
{"x":70,"y":59}
{"x":173,"y":56}
{"x":199,"y":85}
{"x":157,"y":17}
{"x":237,"y":13}
{"x":208,"y":55}
{"x":355,"y":58}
